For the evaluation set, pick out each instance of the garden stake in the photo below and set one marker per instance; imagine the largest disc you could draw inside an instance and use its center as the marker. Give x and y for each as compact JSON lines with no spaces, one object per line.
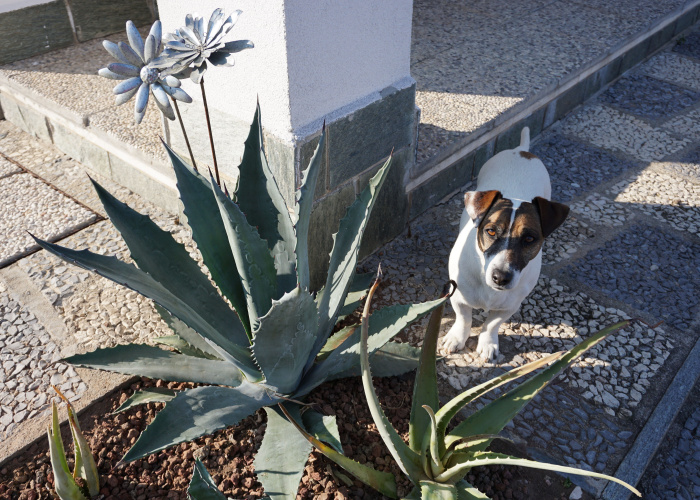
{"x":211,"y":137}
{"x":184,"y":133}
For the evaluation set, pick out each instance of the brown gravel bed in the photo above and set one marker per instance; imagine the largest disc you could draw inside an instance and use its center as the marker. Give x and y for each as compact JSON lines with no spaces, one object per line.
{"x":228,"y":454}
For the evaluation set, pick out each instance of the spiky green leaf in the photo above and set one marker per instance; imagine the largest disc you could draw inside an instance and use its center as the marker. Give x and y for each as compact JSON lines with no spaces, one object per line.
{"x":431,"y":490}
{"x":65,"y":485}
{"x":156,"y":252}
{"x":323,"y":428}
{"x":209,"y":233}
{"x":383,"y":482}
{"x":493,"y":417}
{"x":134,"y":278}
{"x":202,"y":485}
{"x":346,"y":246}
{"x":466,"y":491}
{"x":284,"y":339}
{"x":149,"y":361}
{"x":335,"y":341}
{"x":260,"y":199}
{"x":425,"y":386}
{"x":152,"y":395}
{"x":390,"y":360}
{"x":196,"y":412}
{"x":280,"y":462}
{"x":253,"y":261}
{"x":85,"y":466}
{"x":179,"y":344}
{"x":305,"y":196}
{"x":358,"y":289}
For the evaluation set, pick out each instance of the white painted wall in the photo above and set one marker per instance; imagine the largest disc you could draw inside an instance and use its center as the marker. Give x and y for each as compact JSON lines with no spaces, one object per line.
{"x":313,"y":59}
{"x":10,"y":5}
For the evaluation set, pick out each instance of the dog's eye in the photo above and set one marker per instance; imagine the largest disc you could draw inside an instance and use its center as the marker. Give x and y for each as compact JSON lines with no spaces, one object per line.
{"x":491,"y":232}
{"x":529,"y":239}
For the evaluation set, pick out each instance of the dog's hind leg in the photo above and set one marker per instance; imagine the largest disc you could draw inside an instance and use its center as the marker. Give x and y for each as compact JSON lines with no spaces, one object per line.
{"x":462,"y":328}
{"x":488,"y":338}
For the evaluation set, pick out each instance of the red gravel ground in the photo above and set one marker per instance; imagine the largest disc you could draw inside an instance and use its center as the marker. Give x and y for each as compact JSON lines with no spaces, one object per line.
{"x":228,"y":454}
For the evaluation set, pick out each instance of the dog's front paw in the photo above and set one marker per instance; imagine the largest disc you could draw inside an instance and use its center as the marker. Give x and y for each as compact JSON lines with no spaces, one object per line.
{"x":487,"y":348}
{"x":453,"y":341}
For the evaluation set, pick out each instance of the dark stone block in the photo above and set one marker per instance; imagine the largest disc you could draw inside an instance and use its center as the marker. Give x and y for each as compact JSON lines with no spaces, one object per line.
{"x":481,"y":156}
{"x":634,"y":56}
{"x":570,"y":99}
{"x":96,"y":18}
{"x":661,"y":37}
{"x":280,"y":157}
{"x":511,"y":138}
{"x":34,"y":30}
{"x":362,"y":139}
{"x":689,"y":45}
{"x":449,"y":180}
{"x":684,"y":22}
{"x":601,"y":78}
{"x":306,"y":152}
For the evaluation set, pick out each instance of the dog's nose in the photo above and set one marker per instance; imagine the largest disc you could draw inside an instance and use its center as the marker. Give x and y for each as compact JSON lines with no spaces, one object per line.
{"x":501,"y":278}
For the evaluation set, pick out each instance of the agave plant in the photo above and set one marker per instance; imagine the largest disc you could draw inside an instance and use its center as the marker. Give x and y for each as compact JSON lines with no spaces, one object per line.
{"x":272,"y":345}
{"x":437,"y":462}
{"x":84,"y":482}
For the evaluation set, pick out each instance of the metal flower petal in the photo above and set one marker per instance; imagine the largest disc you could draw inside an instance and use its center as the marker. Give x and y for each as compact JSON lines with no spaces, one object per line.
{"x":140,"y":76}
{"x":190,"y":47}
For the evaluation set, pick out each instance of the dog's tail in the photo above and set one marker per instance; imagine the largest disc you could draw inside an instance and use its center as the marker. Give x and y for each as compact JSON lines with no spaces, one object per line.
{"x":524,"y":140}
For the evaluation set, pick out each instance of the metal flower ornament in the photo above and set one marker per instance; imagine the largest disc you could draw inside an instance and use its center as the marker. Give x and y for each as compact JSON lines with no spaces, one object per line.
{"x":139,"y":75}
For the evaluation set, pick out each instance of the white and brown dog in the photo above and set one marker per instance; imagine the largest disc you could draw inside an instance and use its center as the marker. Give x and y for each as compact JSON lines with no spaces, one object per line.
{"x":497,"y":257}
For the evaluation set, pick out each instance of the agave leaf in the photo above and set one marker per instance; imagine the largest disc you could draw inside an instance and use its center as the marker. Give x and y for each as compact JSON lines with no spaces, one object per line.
{"x":493,"y":417}
{"x":323,"y":428}
{"x":156,"y":252}
{"x":64,"y":483}
{"x":253,"y":261}
{"x":202,"y":486}
{"x":305,"y":202}
{"x":182,"y":332}
{"x":431,"y":490}
{"x":383,"y":482}
{"x":280,"y":462}
{"x":177,"y":343}
{"x":153,"y":362}
{"x":208,"y":231}
{"x":152,"y":395}
{"x":284,"y":339}
{"x":260,"y":199}
{"x":346,"y":246}
{"x":358,"y":289}
{"x":335,"y":341}
{"x":385,"y":324}
{"x":448,"y":412}
{"x":466,"y":491}
{"x":196,"y":412}
{"x":388,"y":361}
{"x":407,"y":459}
{"x":490,"y":458}
{"x":425,"y":390}
{"x":134,"y":278}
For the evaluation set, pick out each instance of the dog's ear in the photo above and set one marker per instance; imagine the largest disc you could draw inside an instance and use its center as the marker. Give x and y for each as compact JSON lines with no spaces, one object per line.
{"x":552,"y":214}
{"x":478,"y":203}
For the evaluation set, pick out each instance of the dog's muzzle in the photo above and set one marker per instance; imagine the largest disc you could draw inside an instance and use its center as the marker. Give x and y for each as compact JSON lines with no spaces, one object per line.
{"x":501,"y":278}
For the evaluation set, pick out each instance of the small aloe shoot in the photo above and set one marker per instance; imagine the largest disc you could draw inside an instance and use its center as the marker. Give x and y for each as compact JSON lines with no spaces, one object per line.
{"x":437,"y":462}
{"x":202,"y":485}
{"x":84,"y":482}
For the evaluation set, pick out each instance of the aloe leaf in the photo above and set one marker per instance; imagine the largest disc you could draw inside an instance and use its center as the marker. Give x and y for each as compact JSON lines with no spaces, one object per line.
{"x":466,"y":491}
{"x":389,"y":360}
{"x":280,"y":462}
{"x":134,"y":278}
{"x":260,"y":199}
{"x":284,"y":339}
{"x":196,"y":412}
{"x":208,"y":231}
{"x":385,"y":324}
{"x":346,"y":246}
{"x":358,"y":289}
{"x":425,"y":391}
{"x":305,"y":202}
{"x":153,"y":395}
{"x":383,"y":482}
{"x":493,"y":417}
{"x":156,"y":252}
{"x":432,"y":441}
{"x":253,"y":261}
{"x":64,"y":483}
{"x":85,"y":466}
{"x":430,"y":490}
{"x":407,"y":459}
{"x":323,"y":427}
{"x":448,"y":412}
{"x":490,"y":458}
{"x":202,"y":486}
{"x":153,"y":362}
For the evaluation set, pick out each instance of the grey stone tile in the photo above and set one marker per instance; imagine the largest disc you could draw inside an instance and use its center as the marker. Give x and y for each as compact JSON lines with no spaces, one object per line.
{"x":689,"y":45}
{"x":7,"y":168}
{"x":637,"y":268}
{"x":674,"y":68}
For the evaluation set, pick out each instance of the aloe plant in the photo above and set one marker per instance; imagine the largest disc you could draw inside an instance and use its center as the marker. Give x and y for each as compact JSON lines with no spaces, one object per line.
{"x":262,"y":338}
{"x":84,"y":482}
{"x":437,"y":462}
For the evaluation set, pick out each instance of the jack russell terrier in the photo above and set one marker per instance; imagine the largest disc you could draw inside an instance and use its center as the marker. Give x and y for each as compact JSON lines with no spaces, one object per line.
{"x":497,"y":257}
